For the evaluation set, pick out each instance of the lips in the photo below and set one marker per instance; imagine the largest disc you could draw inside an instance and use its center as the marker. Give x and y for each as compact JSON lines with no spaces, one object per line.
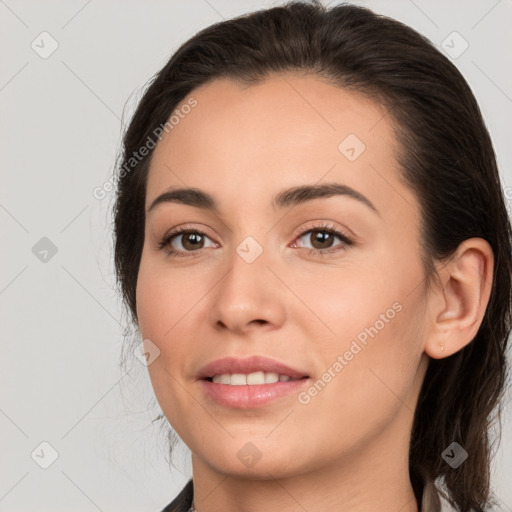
{"x":233,"y":365}
{"x":240,"y":394}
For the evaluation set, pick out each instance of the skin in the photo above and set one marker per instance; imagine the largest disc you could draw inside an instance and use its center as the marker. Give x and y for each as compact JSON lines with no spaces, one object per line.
{"x":347,"y":448}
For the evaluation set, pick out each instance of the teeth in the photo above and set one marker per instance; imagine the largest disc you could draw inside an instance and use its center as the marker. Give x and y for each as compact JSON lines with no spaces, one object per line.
{"x":256,"y":378}
{"x":270,"y":378}
{"x":238,"y":379}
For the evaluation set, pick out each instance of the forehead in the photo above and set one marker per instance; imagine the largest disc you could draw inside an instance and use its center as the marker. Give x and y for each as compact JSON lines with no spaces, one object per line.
{"x":287,"y":130}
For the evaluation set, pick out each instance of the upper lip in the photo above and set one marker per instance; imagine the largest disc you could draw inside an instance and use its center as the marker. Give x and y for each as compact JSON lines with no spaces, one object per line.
{"x":248,"y":365}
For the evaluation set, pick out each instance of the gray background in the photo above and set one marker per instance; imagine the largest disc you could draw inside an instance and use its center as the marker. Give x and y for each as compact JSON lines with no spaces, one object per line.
{"x":61,"y":319}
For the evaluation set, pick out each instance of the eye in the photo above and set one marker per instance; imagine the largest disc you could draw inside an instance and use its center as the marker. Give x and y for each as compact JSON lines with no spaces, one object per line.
{"x":322,"y":238}
{"x":183,"y":240}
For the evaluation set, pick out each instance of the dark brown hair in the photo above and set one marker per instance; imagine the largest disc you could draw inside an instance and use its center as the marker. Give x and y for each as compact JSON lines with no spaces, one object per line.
{"x":446,"y":158}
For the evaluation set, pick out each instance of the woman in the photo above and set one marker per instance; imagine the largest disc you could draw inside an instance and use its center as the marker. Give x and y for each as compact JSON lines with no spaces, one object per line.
{"x":312,"y":240}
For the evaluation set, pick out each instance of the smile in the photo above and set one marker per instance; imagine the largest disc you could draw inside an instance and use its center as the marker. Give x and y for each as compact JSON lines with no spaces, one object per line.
{"x":250,"y":379}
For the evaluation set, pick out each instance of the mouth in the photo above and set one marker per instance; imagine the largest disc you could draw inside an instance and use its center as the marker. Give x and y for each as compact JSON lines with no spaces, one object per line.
{"x":246,"y":383}
{"x":251,"y":370}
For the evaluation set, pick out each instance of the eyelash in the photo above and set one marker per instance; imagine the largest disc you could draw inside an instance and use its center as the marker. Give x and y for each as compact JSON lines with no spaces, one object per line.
{"x":324,"y":228}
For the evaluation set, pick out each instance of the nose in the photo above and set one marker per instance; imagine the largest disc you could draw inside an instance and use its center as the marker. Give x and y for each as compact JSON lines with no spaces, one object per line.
{"x":249,"y":297}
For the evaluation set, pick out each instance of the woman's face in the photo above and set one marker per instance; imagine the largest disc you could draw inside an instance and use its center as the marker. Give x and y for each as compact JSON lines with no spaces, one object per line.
{"x":261,"y":275}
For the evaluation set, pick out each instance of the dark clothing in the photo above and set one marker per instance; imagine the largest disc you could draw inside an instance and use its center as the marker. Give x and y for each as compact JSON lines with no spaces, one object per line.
{"x":183,"y":501}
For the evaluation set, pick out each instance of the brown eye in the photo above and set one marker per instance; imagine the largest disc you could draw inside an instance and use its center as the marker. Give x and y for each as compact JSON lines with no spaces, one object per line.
{"x":321,"y":239}
{"x":192,"y":240}
{"x":185,"y":241}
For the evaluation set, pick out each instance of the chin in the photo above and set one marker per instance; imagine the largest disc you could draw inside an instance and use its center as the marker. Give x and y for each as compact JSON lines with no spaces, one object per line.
{"x":255,"y":458}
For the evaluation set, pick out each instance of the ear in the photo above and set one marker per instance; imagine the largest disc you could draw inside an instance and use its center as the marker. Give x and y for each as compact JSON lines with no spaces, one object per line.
{"x":458,"y":304}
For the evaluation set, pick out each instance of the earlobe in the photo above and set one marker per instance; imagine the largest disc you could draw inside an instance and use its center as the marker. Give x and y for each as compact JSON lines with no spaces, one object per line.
{"x":458,"y":304}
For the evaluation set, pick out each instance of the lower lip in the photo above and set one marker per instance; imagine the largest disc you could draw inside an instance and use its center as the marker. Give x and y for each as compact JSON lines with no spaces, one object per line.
{"x":250,"y":396}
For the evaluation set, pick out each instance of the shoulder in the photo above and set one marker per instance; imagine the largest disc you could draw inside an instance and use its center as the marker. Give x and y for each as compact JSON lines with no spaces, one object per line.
{"x":183,"y":501}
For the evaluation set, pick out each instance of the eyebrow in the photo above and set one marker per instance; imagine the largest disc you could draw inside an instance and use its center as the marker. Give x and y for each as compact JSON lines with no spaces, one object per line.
{"x":288,"y":197}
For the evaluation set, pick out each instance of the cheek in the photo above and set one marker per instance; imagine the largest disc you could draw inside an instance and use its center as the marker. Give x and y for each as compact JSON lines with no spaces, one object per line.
{"x":369,"y":377}
{"x":162,"y":306}
{"x":163,"y":298}
{"x":152,"y":296}
{"x":348,"y":301}
{"x":372,"y":321}
{"x":172,"y":309}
